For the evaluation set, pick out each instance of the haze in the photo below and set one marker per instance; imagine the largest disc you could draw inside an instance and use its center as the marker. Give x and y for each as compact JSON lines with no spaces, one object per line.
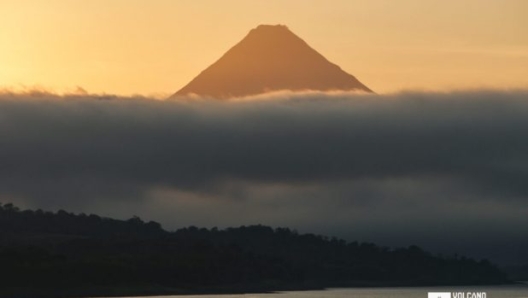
{"x":155,"y":47}
{"x":444,"y":171}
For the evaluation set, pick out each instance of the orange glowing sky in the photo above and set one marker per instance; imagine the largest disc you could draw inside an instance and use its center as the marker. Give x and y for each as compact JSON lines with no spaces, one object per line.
{"x":154,"y":47}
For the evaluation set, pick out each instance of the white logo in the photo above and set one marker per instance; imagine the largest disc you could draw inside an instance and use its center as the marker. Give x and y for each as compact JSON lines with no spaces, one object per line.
{"x":456,"y":295}
{"x":439,"y":295}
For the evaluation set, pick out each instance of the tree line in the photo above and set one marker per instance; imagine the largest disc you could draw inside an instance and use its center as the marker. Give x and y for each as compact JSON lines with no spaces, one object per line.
{"x":58,"y":250}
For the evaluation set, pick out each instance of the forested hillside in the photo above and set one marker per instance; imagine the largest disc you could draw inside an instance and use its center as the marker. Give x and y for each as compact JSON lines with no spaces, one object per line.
{"x":58,"y":251}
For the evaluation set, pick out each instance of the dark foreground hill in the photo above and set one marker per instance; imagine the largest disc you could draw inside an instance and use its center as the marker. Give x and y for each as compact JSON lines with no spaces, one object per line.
{"x":62,"y":254}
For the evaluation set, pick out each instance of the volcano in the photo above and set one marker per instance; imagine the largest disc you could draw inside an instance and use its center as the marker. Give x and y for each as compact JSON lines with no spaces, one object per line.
{"x":270,"y":58}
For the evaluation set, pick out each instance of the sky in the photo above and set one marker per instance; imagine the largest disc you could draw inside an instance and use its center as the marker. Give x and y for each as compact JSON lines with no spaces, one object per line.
{"x":155,"y":47}
{"x":437,"y":157}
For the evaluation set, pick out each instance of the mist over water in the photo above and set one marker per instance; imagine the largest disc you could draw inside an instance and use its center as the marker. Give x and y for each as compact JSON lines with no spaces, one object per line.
{"x":516,"y":291}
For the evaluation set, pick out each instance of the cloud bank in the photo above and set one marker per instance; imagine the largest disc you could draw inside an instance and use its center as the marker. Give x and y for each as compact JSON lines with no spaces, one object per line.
{"x":444,"y":170}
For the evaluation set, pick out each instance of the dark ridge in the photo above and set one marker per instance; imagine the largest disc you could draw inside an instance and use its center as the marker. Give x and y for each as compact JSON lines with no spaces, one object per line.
{"x":45,"y":254}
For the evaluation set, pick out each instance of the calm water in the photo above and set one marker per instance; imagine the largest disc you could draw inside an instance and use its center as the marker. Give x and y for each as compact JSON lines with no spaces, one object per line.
{"x":517,"y":291}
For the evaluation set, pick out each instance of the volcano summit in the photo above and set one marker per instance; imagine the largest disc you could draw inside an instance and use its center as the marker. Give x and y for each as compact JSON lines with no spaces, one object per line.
{"x":270,"y":58}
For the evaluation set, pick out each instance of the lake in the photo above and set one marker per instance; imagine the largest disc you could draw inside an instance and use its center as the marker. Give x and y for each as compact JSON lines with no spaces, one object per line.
{"x":510,"y":291}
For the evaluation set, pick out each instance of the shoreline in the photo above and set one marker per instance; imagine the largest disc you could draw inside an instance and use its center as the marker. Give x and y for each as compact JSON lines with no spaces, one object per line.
{"x":154,"y":291}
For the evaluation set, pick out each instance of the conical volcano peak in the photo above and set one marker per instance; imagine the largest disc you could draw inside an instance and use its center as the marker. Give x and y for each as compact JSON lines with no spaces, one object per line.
{"x":273,"y":35}
{"x":270,"y":58}
{"x":270,"y":30}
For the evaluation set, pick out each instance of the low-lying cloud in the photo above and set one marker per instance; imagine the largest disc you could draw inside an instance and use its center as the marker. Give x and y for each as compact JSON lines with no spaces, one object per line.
{"x":445,"y":170}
